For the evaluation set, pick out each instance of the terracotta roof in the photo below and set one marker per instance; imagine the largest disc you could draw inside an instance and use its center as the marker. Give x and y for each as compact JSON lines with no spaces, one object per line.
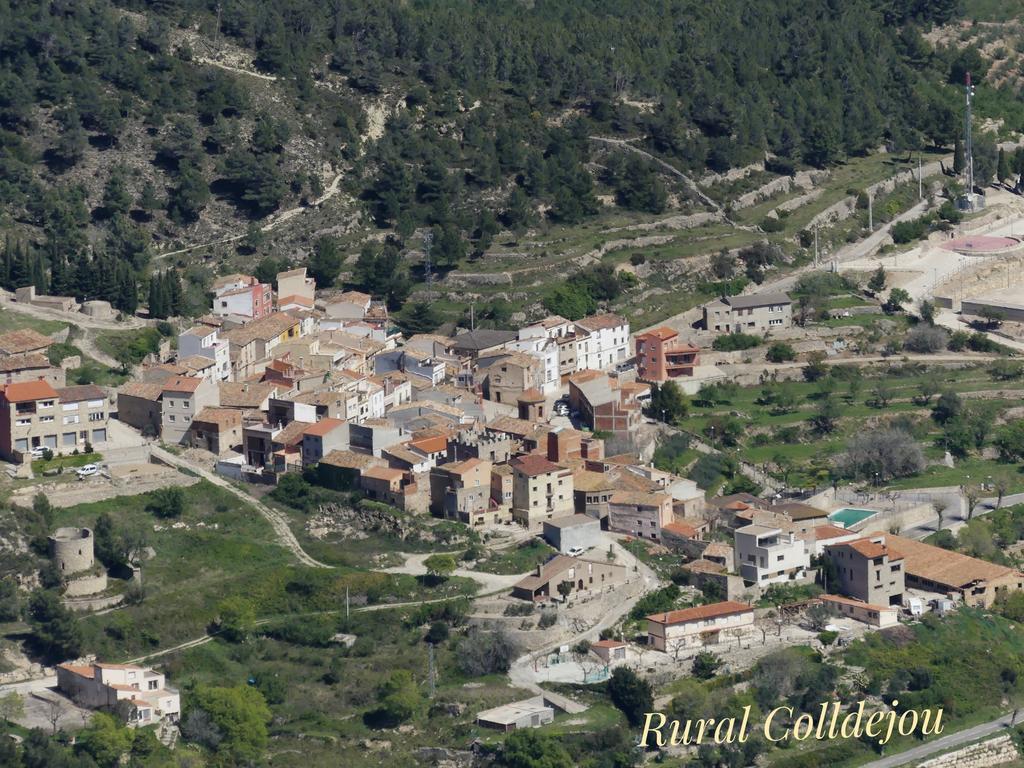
{"x":430,"y":444}
{"x":23,"y":361}
{"x":80,"y":392}
{"x":265,"y":328}
{"x":235,"y":277}
{"x":105,"y":665}
{"x":197,"y":362}
{"x":245,"y":394}
{"x":601,"y":322}
{"x":532,"y":465}
{"x":664,"y":333}
{"x":323,"y":427}
{"x":680,"y":529}
{"x":24,"y":391}
{"x":294,"y":298}
{"x":383,"y":473}
{"x":870,"y":549}
{"x":461,"y":467}
{"x":941,"y":565}
{"x":350,"y":460}
{"x":608,"y":644}
{"x":182,"y":384}
{"x":80,"y":671}
{"x":822,"y":532}
{"x":532,"y":395}
{"x":222,"y":417}
{"x":848,"y":601}
{"x":717,"y":549}
{"x":142,"y":389}
{"x":23,"y":340}
{"x":587,"y":481}
{"x":354,"y":297}
{"x":700,"y":612}
{"x":291,"y":433}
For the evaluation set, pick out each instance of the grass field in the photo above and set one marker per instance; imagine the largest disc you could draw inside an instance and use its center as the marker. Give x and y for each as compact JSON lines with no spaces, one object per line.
{"x":219,"y":548}
{"x":518,"y":559}
{"x":11,"y":320}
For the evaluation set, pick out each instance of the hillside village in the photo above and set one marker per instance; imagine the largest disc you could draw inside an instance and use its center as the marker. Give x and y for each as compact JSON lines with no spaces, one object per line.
{"x":548,"y":440}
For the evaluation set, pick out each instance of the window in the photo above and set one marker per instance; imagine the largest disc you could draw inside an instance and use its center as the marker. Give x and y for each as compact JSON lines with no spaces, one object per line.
{"x":45,"y":419}
{"x":96,"y":416}
{"x":775,"y":321}
{"x":72,"y":419}
{"x":95,"y":403}
{"x":46,"y":403}
{"x":184,"y":403}
{"x":172,"y":417}
{"x":170,"y":403}
{"x":23,"y":422}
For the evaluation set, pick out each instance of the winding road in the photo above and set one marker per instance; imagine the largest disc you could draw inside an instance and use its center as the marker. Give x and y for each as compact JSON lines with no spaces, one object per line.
{"x":942,"y":744}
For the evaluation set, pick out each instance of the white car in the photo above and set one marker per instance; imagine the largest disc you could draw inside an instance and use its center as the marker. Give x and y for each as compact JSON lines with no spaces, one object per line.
{"x":38,"y":451}
{"x":575,"y":551}
{"x":561,"y":409}
{"x":87,"y":470}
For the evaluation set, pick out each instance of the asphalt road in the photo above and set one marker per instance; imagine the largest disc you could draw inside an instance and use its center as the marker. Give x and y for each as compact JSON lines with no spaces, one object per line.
{"x":942,"y":744}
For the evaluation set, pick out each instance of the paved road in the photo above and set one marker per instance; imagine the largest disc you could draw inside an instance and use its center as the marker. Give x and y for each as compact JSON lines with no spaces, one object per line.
{"x":942,"y":744}
{"x":277,"y":521}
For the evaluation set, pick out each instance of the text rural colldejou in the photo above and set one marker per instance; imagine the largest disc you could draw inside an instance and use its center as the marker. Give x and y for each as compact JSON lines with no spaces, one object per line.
{"x":779,"y":725}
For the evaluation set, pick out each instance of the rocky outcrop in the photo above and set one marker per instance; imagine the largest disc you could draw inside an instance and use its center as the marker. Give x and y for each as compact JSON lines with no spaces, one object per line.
{"x":357,"y":522}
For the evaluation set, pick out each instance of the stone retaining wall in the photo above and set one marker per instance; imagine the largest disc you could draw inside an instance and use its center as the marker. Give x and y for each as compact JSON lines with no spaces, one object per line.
{"x":997,"y":751}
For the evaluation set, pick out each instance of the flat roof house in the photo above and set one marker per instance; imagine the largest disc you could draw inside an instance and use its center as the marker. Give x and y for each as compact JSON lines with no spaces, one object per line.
{"x":769,"y":556}
{"x":582,"y":575}
{"x":139,"y":695}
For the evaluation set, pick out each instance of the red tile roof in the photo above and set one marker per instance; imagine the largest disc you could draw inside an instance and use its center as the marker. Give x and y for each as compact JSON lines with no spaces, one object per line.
{"x":323,"y":427}
{"x":532,"y":465}
{"x":182,"y":384}
{"x":25,"y":391}
{"x":726,"y":608}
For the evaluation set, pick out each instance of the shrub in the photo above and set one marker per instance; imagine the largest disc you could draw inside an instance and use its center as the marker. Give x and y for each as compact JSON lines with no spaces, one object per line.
{"x":828,"y":637}
{"x":166,"y":502}
{"x":486,"y":652}
{"x":780,"y":352}
{"x":735,"y":342}
{"x":926,"y":339}
{"x":547,"y":619}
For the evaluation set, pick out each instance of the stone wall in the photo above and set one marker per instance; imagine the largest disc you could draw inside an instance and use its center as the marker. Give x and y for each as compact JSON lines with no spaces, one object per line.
{"x":997,"y":751}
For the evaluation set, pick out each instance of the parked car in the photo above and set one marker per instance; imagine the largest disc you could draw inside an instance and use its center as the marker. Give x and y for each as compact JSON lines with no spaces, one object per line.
{"x":38,"y":451}
{"x":88,"y":470}
{"x":575,"y":551}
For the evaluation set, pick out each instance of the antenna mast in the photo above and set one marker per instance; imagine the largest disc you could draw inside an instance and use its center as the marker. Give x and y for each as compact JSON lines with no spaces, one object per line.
{"x":968,"y":147}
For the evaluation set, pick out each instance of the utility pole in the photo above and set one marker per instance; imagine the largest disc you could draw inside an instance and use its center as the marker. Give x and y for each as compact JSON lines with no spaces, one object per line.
{"x":428,"y":272}
{"x":346,"y":603}
{"x":815,"y":245}
{"x":920,"y":180}
{"x":871,"y":212}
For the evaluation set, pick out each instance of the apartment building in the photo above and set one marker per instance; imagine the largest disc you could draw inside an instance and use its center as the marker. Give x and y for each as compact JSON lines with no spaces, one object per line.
{"x":602,"y":341}
{"x":84,"y":417}
{"x":541,"y":490}
{"x":323,"y":437}
{"x":661,"y":355}
{"x":29,"y":416}
{"x":769,"y":556}
{"x":506,"y":376}
{"x":756,"y":313}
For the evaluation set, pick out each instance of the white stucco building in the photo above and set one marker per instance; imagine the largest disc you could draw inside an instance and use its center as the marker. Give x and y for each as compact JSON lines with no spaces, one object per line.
{"x":768,"y":556}
{"x":138,"y":695}
{"x":203,"y":341}
{"x":602,"y":341}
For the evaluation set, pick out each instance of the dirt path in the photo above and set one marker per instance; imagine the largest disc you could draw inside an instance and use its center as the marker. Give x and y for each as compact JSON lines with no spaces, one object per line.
{"x":277,"y":521}
{"x":626,"y":145}
{"x":489,"y":582}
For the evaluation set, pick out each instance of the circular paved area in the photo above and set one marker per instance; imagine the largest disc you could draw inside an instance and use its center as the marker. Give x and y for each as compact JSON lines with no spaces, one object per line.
{"x":982,"y":244}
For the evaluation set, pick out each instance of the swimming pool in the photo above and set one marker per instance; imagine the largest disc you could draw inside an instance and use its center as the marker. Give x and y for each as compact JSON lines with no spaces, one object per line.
{"x":848,"y":517}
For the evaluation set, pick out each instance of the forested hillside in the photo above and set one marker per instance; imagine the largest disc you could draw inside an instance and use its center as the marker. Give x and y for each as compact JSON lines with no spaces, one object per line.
{"x":127,"y":128}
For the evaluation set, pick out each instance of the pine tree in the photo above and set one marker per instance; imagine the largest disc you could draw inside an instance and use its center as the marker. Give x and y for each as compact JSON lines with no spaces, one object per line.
{"x":1002,"y":166}
{"x":958,"y":157}
{"x":175,"y":295}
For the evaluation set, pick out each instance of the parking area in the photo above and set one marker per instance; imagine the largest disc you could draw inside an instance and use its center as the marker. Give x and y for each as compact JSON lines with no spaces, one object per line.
{"x":44,"y":708}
